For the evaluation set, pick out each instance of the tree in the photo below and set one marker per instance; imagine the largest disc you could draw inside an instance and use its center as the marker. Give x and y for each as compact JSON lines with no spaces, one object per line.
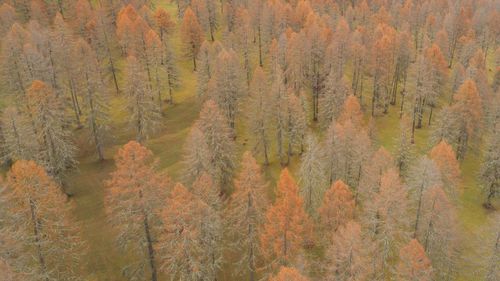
{"x":371,"y":174}
{"x":245,"y":214}
{"x":445,"y":159}
{"x":288,"y":274}
{"x":19,"y":141}
{"x":423,"y":175}
{"x":93,"y":91}
{"x":439,"y":234}
{"x":312,"y":175}
{"x":136,"y":194}
{"x":227,"y":88}
{"x":259,"y":112}
{"x":191,"y":35}
{"x":386,"y":217}
{"x":8,"y":273}
{"x":164,"y":24}
{"x":38,"y":226}
{"x":57,"y":152}
{"x":347,"y":257}
{"x":7,"y":18}
{"x":337,"y":208}
{"x":211,"y":227}
{"x":181,"y":244}
{"x":404,"y":150}
{"x":468,"y":110}
{"x":144,"y":115}
{"x":196,"y":155}
{"x":413,"y":264}
{"x":490,"y":168}
{"x":220,"y":147}
{"x":332,"y":98}
{"x":287,"y":225}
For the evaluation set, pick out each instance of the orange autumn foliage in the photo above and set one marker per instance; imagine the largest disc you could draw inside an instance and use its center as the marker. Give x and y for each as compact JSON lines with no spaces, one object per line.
{"x":288,"y":274}
{"x":337,"y":208}
{"x":414,"y":265}
{"x":446,"y":160}
{"x":287,"y":225}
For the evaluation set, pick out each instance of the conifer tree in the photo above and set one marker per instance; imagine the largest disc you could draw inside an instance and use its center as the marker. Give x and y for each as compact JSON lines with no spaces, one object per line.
{"x":43,"y":241}
{"x":144,"y":117}
{"x":288,"y":274}
{"x":136,"y":194}
{"x":191,"y":34}
{"x":337,"y":208}
{"x":413,"y":263}
{"x":246,"y":212}
{"x":57,"y":152}
{"x":287,"y":225}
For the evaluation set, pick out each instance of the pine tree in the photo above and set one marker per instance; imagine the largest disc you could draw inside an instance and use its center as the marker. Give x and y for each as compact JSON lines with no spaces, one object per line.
{"x":246,"y":212}
{"x":136,"y":194}
{"x":287,"y":225}
{"x":191,"y":35}
{"x":413,"y":264}
{"x":43,"y":241}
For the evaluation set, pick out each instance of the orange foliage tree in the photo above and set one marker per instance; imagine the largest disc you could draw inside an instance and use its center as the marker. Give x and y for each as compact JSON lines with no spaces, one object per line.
{"x":136,"y":193}
{"x":191,"y":35}
{"x":287,"y":225}
{"x":446,"y":160}
{"x":413,"y":263}
{"x":246,"y":212}
{"x":337,"y":208}
{"x":288,"y":274}
{"x":41,"y":240}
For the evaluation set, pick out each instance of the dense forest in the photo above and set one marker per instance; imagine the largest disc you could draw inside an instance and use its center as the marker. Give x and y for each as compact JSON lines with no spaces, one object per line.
{"x":280,"y":140}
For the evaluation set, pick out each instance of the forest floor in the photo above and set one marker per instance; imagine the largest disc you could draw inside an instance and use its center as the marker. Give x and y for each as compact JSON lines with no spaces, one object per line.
{"x":87,"y":186}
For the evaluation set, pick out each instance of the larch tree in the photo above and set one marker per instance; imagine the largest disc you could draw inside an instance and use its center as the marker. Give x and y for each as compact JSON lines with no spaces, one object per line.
{"x":135,"y":196}
{"x":422,"y":175}
{"x":288,"y":274}
{"x":164,"y":23}
{"x":144,"y":117}
{"x":93,"y":90}
{"x":228,"y":86}
{"x":219,"y":141}
{"x":387,"y":221}
{"x":19,"y":140}
{"x":212,"y":226}
{"x":468,"y":109}
{"x":57,"y":152}
{"x":332,"y":98}
{"x":439,"y":234}
{"x":15,"y":73}
{"x":7,"y":18}
{"x":371,"y":173}
{"x":347,"y":256}
{"x":296,"y":124}
{"x":196,"y":155}
{"x":259,"y":112}
{"x":246,"y":214}
{"x":287,"y":225}
{"x":43,"y":241}
{"x":490,"y":168}
{"x":405,"y":147}
{"x":413,"y":264}
{"x":191,"y":35}
{"x":337,"y":208}
{"x":445,"y":159}
{"x":313,"y":182}
{"x":181,"y":248}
